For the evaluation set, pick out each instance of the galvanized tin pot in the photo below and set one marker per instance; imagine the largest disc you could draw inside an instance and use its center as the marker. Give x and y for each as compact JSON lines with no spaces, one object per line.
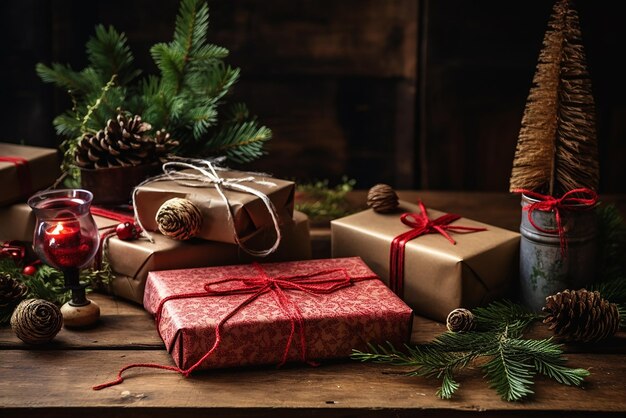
{"x":544,"y":269}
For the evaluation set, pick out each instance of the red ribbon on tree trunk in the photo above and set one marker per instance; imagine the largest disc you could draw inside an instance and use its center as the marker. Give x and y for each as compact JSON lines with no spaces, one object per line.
{"x":316,"y":283}
{"x":421,"y":224}
{"x":568,"y":201}
{"x":23,"y":173}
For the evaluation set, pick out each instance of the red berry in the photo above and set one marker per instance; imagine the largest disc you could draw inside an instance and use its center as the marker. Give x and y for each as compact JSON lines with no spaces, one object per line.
{"x":29,"y":270}
{"x":126,"y":231}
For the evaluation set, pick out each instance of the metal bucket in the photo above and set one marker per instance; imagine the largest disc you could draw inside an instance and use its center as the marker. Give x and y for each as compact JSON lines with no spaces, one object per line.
{"x":544,"y":270}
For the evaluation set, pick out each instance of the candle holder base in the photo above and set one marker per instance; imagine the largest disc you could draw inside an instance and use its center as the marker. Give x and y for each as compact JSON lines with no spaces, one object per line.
{"x":83,"y":316}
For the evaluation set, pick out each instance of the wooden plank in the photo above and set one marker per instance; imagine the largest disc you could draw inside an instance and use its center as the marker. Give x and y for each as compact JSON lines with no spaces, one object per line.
{"x":122,"y":325}
{"x":42,"y":381}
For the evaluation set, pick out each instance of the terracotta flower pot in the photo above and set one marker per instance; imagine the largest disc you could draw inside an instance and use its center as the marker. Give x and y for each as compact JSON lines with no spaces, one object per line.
{"x":115,"y":185}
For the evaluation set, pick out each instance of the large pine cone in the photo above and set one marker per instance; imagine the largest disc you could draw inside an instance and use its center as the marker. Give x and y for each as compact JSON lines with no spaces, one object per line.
{"x":125,"y":141}
{"x":581,"y":315}
{"x":11,"y":291}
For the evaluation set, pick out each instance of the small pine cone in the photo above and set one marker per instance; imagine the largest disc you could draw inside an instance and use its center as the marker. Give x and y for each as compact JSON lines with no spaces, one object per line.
{"x":123,"y":142}
{"x":11,"y":292}
{"x":36,"y":321}
{"x":179,"y":219}
{"x":164,"y":144}
{"x":460,"y":320}
{"x":382,"y":198}
{"x":581,"y":315}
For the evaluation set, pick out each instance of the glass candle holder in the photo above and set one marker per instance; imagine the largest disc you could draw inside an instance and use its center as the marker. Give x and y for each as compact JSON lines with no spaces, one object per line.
{"x":66,"y":237}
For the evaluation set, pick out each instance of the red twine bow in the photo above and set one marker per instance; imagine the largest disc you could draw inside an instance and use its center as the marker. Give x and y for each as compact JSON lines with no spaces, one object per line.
{"x":421,"y":224}
{"x":568,"y":201}
{"x":23,"y":173}
{"x":316,"y":283}
{"x":14,"y":250}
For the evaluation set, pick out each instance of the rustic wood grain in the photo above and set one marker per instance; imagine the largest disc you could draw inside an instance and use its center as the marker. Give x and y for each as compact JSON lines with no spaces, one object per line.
{"x":334,"y":389}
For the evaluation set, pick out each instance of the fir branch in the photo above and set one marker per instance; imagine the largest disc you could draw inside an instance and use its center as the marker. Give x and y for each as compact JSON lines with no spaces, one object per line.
{"x":108,"y":51}
{"x":509,"y":361}
{"x":239,"y":142}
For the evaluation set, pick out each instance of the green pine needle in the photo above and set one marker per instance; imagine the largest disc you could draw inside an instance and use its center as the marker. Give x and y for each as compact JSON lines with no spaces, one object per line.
{"x":510,"y":362}
{"x":185,"y":97}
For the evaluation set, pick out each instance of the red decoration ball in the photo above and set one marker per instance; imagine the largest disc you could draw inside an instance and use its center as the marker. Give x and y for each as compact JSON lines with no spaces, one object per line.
{"x":29,"y":270}
{"x":127,"y":231}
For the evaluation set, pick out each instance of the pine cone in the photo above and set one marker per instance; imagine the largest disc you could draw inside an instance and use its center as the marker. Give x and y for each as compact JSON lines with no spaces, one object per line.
{"x":164,"y":144}
{"x":581,"y":315}
{"x":11,"y":291}
{"x":36,"y":321}
{"x":382,"y":198}
{"x":460,"y":320}
{"x":122,"y":143}
{"x":179,"y":219}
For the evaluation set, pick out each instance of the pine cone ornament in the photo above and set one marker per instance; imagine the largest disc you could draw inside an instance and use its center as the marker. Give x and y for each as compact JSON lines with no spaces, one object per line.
{"x":179,"y":219}
{"x":11,"y":292}
{"x":581,"y":315}
{"x":382,"y":198}
{"x":122,"y":143}
{"x":36,"y":321}
{"x":460,"y":320}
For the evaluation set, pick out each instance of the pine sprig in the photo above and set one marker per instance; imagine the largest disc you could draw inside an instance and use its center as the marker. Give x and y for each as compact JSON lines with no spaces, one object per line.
{"x":185,"y":97}
{"x":509,"y":361}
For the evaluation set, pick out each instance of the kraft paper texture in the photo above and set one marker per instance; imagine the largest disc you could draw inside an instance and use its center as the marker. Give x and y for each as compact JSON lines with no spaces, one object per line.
{"x":43,"y":165}
{"x":249,"y":212}
{"x":439,"y":276}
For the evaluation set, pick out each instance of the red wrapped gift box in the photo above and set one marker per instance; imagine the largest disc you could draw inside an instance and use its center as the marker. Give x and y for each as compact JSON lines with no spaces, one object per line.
{"x":353,"y":308}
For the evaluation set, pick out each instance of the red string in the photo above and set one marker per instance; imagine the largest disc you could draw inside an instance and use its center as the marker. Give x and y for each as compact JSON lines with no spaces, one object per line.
{"x":109,"y":231}
{"x":319,"y":282}
{"x":568,"y":201}
{"x":421,"y":224}
{"x":23,"y":173}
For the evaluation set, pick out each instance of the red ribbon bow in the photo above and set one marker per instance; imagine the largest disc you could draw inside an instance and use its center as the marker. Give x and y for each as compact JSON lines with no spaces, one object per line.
{"x":316,"y":283}
{"x":12,"y":249}
{"x":568,"y":201}
{"x":23,"y":173}
{"x":421,"y":224}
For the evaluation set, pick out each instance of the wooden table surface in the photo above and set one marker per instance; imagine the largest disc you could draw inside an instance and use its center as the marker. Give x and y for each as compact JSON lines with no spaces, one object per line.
{"x":56,"y":380}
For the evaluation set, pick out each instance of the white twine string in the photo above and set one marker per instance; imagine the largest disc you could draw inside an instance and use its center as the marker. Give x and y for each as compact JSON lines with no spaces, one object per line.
{"x":208,"y":177}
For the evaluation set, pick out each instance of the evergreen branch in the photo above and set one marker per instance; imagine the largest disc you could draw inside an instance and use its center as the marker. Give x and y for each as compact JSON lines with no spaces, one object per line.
{"x":108,"y":51}
{"x":511,"y":362}
{"x":239,"y":142}
{"x":63,"y":76}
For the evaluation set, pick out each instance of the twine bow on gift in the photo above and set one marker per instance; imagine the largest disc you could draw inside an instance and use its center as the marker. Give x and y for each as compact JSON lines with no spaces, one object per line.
{"x":23,"y":173}
{"x":205,"y":174}
{"x":569,"y":201}
{"x":315,"y":283}
{"x":420,"y":224}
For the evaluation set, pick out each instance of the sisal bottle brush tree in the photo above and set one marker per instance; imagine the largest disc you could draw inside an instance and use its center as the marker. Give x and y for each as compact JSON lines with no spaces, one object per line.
{"x":556,"y":166}
{"x":557,"y":148}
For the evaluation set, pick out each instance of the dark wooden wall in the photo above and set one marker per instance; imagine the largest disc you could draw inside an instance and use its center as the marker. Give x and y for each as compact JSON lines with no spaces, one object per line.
{"x":417,"y":93}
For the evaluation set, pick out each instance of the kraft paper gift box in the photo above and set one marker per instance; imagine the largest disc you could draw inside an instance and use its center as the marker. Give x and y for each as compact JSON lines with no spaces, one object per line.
{"x":249,"y":213}
{"x":132,"y":260}
{"x":25,"y":170}
{"x":438,"y":276}
{"x":333,"y":323}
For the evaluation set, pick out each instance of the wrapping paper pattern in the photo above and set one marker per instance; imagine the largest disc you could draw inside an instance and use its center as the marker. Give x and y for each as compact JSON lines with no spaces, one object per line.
{"x":335,"y":323}
{"x":438,"y":276}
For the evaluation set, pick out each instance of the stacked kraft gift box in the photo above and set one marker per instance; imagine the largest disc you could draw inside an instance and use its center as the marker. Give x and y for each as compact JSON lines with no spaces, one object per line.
{"x":218,"y":306}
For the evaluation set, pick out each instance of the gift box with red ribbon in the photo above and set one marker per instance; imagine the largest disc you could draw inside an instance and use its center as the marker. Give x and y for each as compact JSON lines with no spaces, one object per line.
{"x":272,"y":313}
{"x":435,"y":261}
{"x":25,"y":170}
